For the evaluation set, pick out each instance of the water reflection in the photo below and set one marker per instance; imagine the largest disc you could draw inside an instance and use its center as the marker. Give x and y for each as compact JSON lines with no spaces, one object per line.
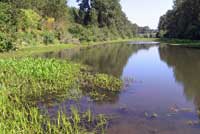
{"x":186,"y":66}
{"x":109,"y":59}
{"x":166,"y":80}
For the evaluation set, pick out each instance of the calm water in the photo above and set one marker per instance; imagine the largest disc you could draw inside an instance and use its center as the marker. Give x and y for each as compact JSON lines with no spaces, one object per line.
{"x":159,"y":81}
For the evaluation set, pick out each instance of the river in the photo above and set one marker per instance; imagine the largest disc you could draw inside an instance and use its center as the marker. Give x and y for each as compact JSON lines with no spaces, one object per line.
{"x":161,"y":93}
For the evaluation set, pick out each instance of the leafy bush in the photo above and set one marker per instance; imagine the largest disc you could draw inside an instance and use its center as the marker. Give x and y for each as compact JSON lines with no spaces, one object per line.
{"x":90,"y":33}
{"x":48,"y":37}
{"x":5,"y":43}
{"x":7,"y":18}
{"x":27,"y":38}
{"x":28,"y":28}
{"x":28,"y":19}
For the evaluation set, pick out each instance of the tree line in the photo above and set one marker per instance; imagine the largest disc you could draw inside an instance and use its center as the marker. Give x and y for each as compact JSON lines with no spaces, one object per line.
{"x":183,"y":21}
{"x":33,"y":22}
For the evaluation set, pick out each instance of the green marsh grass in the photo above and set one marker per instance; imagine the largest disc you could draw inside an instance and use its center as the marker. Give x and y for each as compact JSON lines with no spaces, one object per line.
{"x":180,"y":42}
{"x":25,"y":82}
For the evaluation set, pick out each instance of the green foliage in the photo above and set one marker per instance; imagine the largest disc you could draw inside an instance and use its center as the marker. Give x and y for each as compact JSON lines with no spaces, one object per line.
{"x":54,"y":8}
{"x":7,"y":18}
{"x":107,"y":82}
{"x":28,"y":38}
{"x":101,"y":82}
{"x":100,"y":87}
{"x":182,"y":42}
{"x":5,"y":43}
{"x":83,"y":34}
{"x":182,"y":21}
{"x":106,"y":15}
{"x":35,"y":22}
{"x":161,"y":34}
{"x":8,"y":21}
{"x":51,"y":8}
{"x":24,"y":82}
{"x":48,"y":38}
{"x":28,"y":20}
{"x":53,"y":77}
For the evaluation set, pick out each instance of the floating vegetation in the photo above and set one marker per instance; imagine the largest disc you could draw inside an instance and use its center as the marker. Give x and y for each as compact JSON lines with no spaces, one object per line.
{"x":101,"y":87}
{"x":101,"y":82}
{"x":25,"y":82}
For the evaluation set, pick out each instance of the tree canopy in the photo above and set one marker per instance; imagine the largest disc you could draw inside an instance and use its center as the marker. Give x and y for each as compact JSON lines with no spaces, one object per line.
{"x":105,"y":14}
{"x":183,"y":21}
{"x":32,"y":22}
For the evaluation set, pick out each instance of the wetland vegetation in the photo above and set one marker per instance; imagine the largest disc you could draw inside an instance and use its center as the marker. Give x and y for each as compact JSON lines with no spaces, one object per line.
{"x":27,"y":82}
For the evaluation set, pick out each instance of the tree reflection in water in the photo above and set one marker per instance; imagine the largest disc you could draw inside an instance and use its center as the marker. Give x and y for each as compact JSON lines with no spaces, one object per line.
{"x":110,"y":59}
{"x":186,"y":66}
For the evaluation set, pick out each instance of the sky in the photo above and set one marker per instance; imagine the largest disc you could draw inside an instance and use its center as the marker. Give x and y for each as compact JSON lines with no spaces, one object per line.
{"x":143,"y":12}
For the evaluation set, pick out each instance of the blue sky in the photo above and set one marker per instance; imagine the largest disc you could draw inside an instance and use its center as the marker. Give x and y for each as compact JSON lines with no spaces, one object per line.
{"x":143,"y":12}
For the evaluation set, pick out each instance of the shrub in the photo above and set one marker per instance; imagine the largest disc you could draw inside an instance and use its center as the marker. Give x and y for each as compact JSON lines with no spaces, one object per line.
{"x":27,"y":38}
{"x":5,"y":43}
{"x":7,"y":17}
{"x":48,"y":37}
{"x":28,"y":20}
{"x":28,"y":24}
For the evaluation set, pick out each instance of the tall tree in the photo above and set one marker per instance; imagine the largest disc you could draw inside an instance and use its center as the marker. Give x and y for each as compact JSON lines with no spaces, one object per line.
{"x":183,"y":21}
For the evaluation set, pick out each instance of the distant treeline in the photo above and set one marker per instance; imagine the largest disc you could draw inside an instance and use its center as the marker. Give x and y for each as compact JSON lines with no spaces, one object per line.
{"x":183,"y":21}
{"x":34,"y":22}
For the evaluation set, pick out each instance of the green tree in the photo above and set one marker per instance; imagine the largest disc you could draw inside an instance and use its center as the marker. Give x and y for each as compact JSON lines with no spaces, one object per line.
{"x":182,"y":21}
{"x":51,"y":8}
{"x":105,"y":14}
{"x":28,"y":19}
{"x":55,"y":8}
{"x":7,"y":18}
{"x":5,"y":43}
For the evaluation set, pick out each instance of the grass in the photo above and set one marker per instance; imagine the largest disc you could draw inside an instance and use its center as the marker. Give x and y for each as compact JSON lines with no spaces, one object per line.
{"x":123,"y":40}
{"x":101,"y":82}
{"x":27,"y":81}
{"x":29,"y":51}
{"x":180,"y":42}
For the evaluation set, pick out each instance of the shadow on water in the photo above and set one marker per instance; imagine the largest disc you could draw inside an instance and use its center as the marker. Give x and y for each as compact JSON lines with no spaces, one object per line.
{"x":163,"y":96}
{"x":109,"y":59}
{"x":186,"y":67}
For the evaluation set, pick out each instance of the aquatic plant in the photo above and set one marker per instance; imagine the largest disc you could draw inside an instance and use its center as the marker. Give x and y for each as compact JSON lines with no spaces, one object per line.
{"x":101,"y":82}
{"x":25,"y":82}
{"x":37,"y":79}
{"x":19,"y":118}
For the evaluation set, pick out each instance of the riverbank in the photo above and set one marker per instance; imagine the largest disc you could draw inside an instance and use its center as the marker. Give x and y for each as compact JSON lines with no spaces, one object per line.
{"x":29,"y":51}
{"x":180,"y":42}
